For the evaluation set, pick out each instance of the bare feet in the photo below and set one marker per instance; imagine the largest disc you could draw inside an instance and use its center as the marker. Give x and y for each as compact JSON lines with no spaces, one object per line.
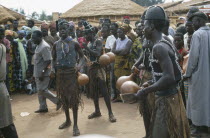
{"x":94,"y":115}
{"x":112,"y":119}
{"x":65,"y":125}
{"x":76,"y":131}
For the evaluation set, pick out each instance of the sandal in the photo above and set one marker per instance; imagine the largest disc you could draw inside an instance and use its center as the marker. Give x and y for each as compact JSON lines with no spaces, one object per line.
{"x":76,"y":131}
{"x":112,"y":119}
{"x":94,"y":115}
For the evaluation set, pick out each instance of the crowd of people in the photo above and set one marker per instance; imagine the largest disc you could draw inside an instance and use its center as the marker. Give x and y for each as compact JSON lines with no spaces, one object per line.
{"x":171,"y":64}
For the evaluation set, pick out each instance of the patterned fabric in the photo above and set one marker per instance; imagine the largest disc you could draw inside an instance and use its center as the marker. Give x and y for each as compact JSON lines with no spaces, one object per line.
{"x":18,"y":72}
{"x":122,"y":66}
{"x":10,"y":74}
{"x":136,"y":50}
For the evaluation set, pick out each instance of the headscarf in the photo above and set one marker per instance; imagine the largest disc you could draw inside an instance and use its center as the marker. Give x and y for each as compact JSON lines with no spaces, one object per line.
{"x":26,"y":29}
{"x":44,"y":26}
{"x":9,"y":32}
{"x":71,"y":23}
{"x":34,"y":28}
{"x":23,"y":32}
{"x":126,"y":17}
{"x":126,"y":27}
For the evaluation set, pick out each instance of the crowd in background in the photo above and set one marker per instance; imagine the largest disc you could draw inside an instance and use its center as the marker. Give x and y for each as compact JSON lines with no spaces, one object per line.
{"x":131,"y":51}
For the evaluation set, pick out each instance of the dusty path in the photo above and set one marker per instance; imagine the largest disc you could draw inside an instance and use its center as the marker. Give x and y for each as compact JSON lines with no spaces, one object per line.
{"x":129,"y":123}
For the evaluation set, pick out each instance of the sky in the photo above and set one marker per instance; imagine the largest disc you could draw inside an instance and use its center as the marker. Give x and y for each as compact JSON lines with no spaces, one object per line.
{"x":48,"y":6}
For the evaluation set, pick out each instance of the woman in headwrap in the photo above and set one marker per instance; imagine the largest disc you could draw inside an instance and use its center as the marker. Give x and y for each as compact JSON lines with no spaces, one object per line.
{"x":21,"y":62}
{"x":10,"y":75}
{"x":121,"y":49}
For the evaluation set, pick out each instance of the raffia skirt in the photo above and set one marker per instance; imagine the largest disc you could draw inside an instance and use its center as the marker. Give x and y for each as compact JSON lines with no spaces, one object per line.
{"x":95,"y":73}
{"x":169,"y":118}
{"x":68,"y":88}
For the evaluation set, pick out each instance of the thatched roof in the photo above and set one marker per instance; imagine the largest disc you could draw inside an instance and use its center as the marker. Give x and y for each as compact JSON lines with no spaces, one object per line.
{"x":5,"y":16}
{"x":14,"y":13}
{"x":88,"y":8}
{"x":183,"y":7}
{"x":170,"y":4}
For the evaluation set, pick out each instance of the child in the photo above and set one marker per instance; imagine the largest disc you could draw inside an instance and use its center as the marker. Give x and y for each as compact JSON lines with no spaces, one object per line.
{"x":29,"y":83}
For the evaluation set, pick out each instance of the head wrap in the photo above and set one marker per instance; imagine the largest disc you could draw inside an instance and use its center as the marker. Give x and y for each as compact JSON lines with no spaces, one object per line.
{"x":126,"y":17}
{"x":9,"y":32}
{"x":27,"y":30}
{"x":71,"y":23}
{"x":126,"y":27}
{"x":34,"y":28}
{"x":22,"y":32}
{"x":53,"y":25}
{"x":44,"y":26}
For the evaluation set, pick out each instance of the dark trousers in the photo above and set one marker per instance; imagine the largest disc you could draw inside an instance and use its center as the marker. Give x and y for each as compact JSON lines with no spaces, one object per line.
{"x":9,"y":131}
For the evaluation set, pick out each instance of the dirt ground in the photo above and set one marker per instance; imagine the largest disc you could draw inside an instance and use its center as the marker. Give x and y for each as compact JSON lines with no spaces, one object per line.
{"x":129,"y":123}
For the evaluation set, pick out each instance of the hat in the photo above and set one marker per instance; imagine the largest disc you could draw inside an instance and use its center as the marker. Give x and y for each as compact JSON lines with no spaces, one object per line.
{"x":198,"y":14}
{"x":126,"y":17}
{"x":155,"y":13}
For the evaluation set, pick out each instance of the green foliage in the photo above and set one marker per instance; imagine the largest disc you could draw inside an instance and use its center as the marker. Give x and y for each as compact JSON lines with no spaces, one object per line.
{"x":43,"y":16}
{"x":147,"y":3}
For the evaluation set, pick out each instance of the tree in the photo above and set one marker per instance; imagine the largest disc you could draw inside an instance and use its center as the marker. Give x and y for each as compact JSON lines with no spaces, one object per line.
{"x":49,"y":17}
{"x":43,"y":16}
{"x":147,"y":3}
{"x":22,"y":11}
{"x":35,"y":15}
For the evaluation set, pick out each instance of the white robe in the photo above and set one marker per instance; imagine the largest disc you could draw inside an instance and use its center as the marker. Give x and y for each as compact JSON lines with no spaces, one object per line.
{"x":198,"y":69}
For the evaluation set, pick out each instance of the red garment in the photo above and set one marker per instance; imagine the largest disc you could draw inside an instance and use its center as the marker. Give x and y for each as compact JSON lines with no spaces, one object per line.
{"x":81,"y":40}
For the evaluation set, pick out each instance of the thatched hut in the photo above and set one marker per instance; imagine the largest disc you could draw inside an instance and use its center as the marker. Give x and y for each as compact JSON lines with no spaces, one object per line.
{"x":183,"y":8}
{"x":15,"y":14}
{"x":5,"y":16}
{"x":93,"y":10}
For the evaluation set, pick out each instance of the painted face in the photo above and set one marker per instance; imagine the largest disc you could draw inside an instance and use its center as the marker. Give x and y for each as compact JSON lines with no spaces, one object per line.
{"x":147,"y":30}
{"x":113,"y":29}
{"x":196,"y":23}
{"x":120,"y":34}
{"x":178,"y":42}
{"x":63,"y":31}
{"x":36,"y":39}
